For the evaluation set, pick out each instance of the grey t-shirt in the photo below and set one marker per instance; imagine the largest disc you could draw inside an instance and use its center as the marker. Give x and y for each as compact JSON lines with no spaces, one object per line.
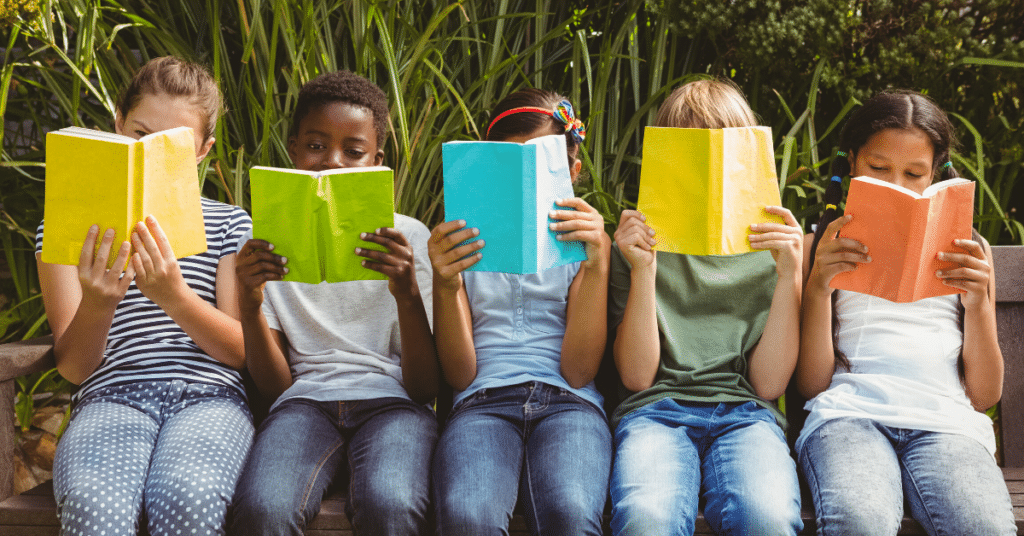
{"x":343,"y":338}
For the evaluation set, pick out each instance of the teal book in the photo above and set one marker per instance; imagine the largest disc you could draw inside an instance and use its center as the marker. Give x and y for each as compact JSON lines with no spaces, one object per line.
{"x":506,"y":190}
{"x":315,"y":218}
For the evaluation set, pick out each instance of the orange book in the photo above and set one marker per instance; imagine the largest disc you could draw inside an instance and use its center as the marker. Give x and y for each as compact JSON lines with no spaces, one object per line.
{"x":903,"y":232}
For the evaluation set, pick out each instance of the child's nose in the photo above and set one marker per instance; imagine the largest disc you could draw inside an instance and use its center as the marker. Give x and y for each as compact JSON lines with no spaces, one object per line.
{"x":335,"y":159}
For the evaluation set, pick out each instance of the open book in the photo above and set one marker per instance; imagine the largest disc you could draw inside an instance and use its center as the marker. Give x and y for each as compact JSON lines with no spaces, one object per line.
{"x":315,"y":218}
{"x":506,"y":190}
{"x":702,"y":189}
{"x":114,"y":181}
{"x":903,"y":232}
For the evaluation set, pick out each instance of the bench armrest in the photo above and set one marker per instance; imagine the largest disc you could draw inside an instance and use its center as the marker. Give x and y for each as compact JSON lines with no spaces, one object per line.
{"x":25,"y":357}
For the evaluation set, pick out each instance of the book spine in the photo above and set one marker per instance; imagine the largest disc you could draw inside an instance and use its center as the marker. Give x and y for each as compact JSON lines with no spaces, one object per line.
{"x":136,"y":189}
{"x":716,"y":194}
{"x":914,"y":266}
{"x":528,"y":217}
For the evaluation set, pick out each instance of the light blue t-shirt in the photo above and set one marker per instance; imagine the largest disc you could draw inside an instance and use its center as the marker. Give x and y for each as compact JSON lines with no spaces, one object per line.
{"x":518,"y":327}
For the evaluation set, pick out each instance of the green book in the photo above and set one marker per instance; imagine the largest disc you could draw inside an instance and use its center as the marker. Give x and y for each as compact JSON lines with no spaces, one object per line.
{"x":315,"y":218}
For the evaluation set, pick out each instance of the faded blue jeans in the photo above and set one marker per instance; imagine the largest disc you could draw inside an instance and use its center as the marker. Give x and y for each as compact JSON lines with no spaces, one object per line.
{"x":386,"y":444}
{"x":670,"y":456}
{"x":542,"y":444}
{"x":859,"y":472}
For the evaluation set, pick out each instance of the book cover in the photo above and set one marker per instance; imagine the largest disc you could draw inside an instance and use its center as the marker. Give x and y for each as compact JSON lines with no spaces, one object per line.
{"x":315,"y":218}
{"x":903,"y":232}
{"x":702,"y":189}
{"x":115,"y":181}
{"x":506,"y":190}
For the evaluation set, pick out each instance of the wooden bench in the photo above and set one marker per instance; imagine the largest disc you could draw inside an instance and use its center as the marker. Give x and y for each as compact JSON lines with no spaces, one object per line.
{"x":33,"y":512}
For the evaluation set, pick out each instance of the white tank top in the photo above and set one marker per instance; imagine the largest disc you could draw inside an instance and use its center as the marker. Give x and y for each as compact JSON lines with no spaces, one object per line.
{"x":903,"y":369}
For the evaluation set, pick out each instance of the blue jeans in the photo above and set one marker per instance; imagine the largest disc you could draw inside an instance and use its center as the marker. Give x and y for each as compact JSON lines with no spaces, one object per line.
{"x":302,"y":446}
{"x":859,"y":472}
{"x":734,"y":457}
{"x":171,"y":448}
{"x":542,"y":444}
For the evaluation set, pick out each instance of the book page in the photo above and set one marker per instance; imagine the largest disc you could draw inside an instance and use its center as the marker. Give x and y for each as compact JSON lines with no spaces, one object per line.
{"x":285,"y":212}
{"x":749,"y":183}
{"x":170,"y":189}
{"x":552,"y":182}
{"x":96,"y":135}
{"x":948,"y":216}
{"x":359,"y":201}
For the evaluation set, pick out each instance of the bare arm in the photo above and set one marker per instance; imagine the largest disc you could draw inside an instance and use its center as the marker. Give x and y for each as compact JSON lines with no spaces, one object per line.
{"x":159,"y":278}
{"x":637,"y":347}
{"x":419,"y":357}
{"x":586,"y":329}
{"x":265,"y":348}
{"x":774,"y":358}
{"x":80,"y":304}
{"x":983,"y":360}
{"x":453,"y":321}
{"x":817,"y":355}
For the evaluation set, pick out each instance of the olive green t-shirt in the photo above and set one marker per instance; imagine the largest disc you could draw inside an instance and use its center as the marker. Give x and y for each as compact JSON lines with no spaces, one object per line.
{"x":711,"y":312}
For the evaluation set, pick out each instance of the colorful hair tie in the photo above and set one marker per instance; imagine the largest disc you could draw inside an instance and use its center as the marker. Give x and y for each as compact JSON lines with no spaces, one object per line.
{"x":837,"y":178}
{"x":947,"y":165}
{"x":562,"y":113}
{"x":841,"y":153}
{"x":831,"y":206}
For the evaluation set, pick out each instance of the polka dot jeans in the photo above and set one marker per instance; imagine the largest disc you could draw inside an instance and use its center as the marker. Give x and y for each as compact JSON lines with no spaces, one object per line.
{"x":172,"y":448}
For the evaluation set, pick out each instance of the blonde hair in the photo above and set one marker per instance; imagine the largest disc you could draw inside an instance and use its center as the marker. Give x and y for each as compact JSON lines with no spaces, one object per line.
{"x":177,"y":78}
{"x":706,"y":104}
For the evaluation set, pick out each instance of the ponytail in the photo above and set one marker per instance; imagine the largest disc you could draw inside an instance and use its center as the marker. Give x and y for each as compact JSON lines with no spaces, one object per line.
{"x":833,"y":195}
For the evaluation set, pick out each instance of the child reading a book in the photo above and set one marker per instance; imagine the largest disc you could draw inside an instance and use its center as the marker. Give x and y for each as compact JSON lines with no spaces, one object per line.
{"x":521,"y":352}
{"x":704,"y":344}
{"x":350,"y":364}
{"x":897,"y":389}
{"x":160,"y":420}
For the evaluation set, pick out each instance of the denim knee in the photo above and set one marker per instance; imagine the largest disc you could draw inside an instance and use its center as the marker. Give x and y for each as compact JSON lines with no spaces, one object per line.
{"x":641,"y":515}
{"x":387,"y":510}
{"x":262,"y":511}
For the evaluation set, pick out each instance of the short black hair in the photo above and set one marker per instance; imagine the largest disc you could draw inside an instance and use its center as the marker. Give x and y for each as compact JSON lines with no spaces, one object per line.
{"x":347,"y":87}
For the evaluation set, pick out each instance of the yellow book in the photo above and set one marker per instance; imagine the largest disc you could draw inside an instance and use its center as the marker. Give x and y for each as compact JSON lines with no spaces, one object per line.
{"x":701,"y":189}
{"x":114,"y":181}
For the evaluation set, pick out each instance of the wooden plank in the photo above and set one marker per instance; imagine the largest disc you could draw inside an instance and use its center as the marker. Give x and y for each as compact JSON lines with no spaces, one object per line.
{"x":332,"y":516}
{"x":1009,"y":268}
{"x":19,"y":530}
{"x":33,"y":510}
{"x":7,"y":439}
{"x":25,"y":357}
{"x":1010,"y":326}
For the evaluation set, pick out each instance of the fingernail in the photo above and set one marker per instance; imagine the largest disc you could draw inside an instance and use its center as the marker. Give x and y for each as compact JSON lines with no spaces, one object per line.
{"x":284,"y":260}
{"x":481,"y":242}
{"x":378,"y":231}
{"x":363,"y":263}
{"x":650,"y":232}
{"x":362,"y":236}
{"x":938,"y":273}
{"x":869,"y":258}
{"x":476,"y":231}
{"x":552,"y":214}
{"x":94,"y":228}
{"x":940,"y":255}
{"x":286,"y":270}
{"x":551,"y":226}
{"x":270,"y":247}
{"x":462,"y":223}
{"x":358,"y":250}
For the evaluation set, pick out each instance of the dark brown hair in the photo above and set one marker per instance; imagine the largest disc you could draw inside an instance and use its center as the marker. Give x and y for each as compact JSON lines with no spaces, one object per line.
{"x":346,"y":87}
{"x":521,"y":124}
{"x":178,"y":78}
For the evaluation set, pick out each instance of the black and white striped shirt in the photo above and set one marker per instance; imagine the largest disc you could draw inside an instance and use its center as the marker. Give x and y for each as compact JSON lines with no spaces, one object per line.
{"x":144,"y":344}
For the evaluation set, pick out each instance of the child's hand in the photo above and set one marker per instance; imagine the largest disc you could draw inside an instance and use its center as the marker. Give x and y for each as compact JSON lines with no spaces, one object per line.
{"x":254,"y":266}
{"x":584,"y":224}
{"x":635,"y":239}
{"x":972,"y":275}
{"x":158,"y":275}
{"x":785,"y":240}
{"x":397,"y":263}
{"x":448,"y":258}
{"x":835,"y":255}
{"x":100,"y":286}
